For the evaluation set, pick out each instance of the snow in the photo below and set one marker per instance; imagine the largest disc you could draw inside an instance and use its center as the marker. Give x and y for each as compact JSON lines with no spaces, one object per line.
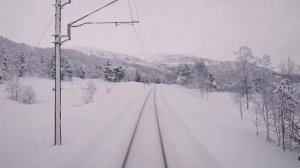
{"x":146,"y":151}
{"x":27,"y":130}
{"x":218,"y":133}
{"x":196,"y":132}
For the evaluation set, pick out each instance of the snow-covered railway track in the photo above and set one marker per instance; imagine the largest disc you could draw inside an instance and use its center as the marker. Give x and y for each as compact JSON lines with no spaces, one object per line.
{"x":183,"y":147}
{"x":146,"y":146}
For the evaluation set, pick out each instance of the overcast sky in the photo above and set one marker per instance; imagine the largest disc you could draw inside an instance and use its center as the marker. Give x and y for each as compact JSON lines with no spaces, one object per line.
{"x":204,"y":28}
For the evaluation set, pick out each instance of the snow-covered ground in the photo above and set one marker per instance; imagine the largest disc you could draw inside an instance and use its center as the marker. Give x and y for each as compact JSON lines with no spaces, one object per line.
{"x":196,"y":132}
{"x":212,"y":130}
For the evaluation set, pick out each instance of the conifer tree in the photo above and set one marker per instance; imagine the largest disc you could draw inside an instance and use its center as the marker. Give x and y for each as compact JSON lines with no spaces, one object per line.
{"x":21,"y":65}
{"x":4,"y":69}
{"x":108,"y":72}
{"x":66,"y":69}
{"x":51,"y":67}
{"x":184,"y":75}
{"x":119,"y":73}
{"x":82,"y":73}
{"x":137,"y":77}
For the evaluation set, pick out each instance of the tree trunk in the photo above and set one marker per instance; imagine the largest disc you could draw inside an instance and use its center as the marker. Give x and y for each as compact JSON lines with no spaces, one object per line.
{"x":241,"y":107}
{"x":247,"y":91}
{"x":267,"y":123}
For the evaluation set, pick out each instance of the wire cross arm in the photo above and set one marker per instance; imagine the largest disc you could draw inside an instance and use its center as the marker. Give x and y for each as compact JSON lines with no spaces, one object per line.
{"x":87,"y":15}
{"x":66,"y":3}
{"x":117,"y":23}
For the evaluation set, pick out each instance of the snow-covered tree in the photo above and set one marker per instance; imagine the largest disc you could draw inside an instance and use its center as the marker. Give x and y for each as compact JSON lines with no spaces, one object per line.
{"x":200,"y":76}
{"x":51,"y":67}
{"x":81,"y":73}
{"x":263,"y":88}
{"x":119,"y":73}
{"x":184,"y":75}
{"x":98,"y":71}
{"x":244,"y":60}
{"x":108,"y":71}
{"x":4,"y":71}
{"x":21,"y":65}
{"x":157,"y":81}
{"x":113,"y":73}
{"x":287,"y":67}
{"x":137,"y":77}
{"x":65,"y":67}
{"x":289,"y":126}
{"x":211,"y":82}
{"x":239,"y":100}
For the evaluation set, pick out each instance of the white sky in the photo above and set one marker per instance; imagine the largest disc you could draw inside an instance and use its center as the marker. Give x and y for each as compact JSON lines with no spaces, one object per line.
{"x":204,"y":28}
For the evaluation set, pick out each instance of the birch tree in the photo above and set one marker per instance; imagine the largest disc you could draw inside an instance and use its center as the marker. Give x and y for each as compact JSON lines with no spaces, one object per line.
{"x":244,"y":61}
{"x":200,"y":76}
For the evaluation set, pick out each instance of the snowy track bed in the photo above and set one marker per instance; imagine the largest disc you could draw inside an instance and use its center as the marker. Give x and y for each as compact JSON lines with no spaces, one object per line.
{"x":146,"y":147}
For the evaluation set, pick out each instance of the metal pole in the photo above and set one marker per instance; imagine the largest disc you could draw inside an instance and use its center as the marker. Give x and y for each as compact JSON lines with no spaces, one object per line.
{"x":57,"y":42}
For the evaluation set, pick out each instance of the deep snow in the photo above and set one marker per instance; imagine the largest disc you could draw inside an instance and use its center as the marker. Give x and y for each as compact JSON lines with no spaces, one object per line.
{"x":196,"y":132}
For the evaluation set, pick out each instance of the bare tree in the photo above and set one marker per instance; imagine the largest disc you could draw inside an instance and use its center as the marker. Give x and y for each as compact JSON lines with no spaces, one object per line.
{"x":200,"y":72}
{"x":238,"y":99}
{"x":89,"y":92}
{"x":263,"y":87}
{"x":289,"y":119}
{"x":287,"y":67}
{"x":244,"y":60}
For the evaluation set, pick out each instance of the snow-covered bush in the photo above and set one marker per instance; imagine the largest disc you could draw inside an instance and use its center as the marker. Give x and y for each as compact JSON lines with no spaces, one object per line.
{"x":28,"y":95}
{"x":21,"y":93}
{"x":89,"y":92}
{"x":14,"y":89}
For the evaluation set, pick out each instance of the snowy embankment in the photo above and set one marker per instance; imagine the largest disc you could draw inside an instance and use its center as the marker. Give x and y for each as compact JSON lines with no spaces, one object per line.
{"x":216,"y":132}
{"x":196,"y":132}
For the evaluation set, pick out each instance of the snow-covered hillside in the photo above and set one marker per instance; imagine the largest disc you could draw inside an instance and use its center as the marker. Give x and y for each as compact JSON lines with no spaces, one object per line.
{"x":177,"y":59}
{"x":196,"y":132}
{"x":110,"y":55}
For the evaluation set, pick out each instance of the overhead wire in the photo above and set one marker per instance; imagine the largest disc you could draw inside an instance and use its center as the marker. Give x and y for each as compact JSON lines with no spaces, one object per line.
{"x":85,"y":16}
{"x":140,"y":26}
{"x":135,"y":31}
{"x":44,"y":33}
{"x":37,"y":45}
{"x":135,"y":6}
{"x":40,"y":40}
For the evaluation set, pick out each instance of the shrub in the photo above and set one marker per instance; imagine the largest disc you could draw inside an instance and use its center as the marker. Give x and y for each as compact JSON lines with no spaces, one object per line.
{"x":89,"y":91}
{"x":27,"y":96}
{"x":14,"y":90}
{"x":21,"y":93}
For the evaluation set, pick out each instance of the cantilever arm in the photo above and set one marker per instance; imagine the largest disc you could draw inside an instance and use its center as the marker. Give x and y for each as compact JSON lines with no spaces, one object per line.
{"x":117,"y":23}
{"x":66,"y":3}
